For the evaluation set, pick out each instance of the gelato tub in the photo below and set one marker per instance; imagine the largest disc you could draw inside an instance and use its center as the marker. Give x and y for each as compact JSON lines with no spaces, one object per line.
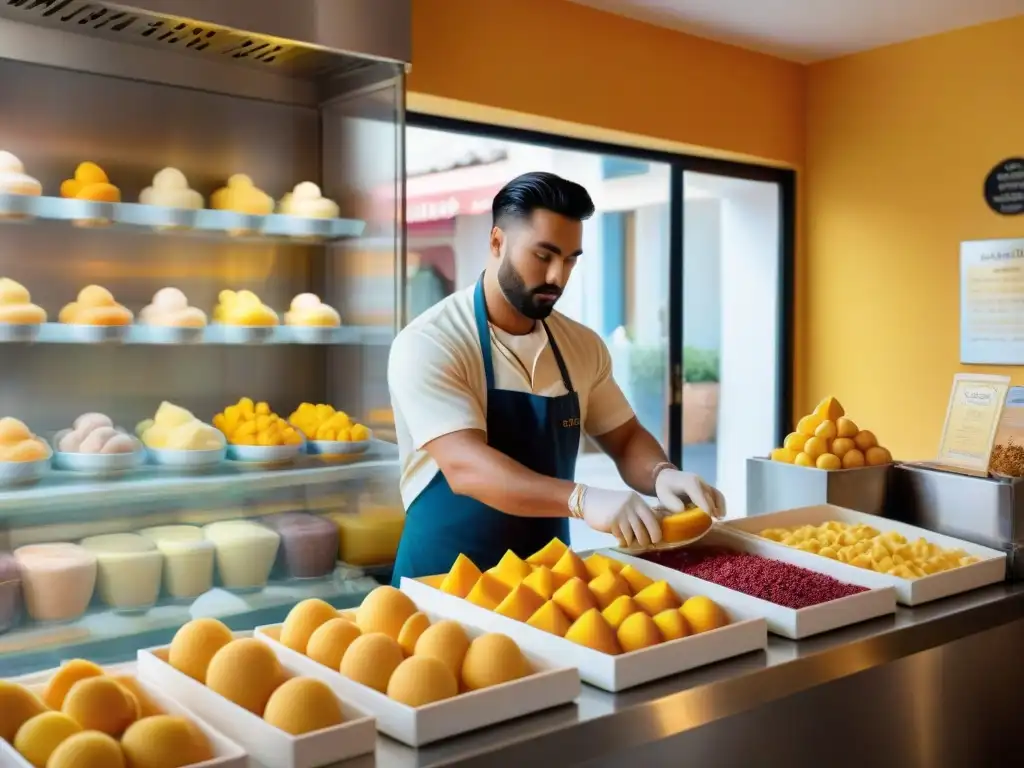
{"x":245,"y":552}
{"x":129,"y":570}
{"x":10,"y":592}
{"x":309,"y":545}
{"x":370,"y":536}
{"x":188,"y":559}
{"x":57,"y":580}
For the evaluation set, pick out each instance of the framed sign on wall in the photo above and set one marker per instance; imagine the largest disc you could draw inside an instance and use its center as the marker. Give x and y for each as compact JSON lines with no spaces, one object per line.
{"x":992,"y":302}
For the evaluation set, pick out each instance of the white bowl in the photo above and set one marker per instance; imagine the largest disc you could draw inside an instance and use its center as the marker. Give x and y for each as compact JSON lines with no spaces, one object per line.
{"x":24,"y":472}
{"x":314,"y":334}
{"x":97,"y":334}
{"x":19,"y":332}
{"x":129,"y":569}
{"x":264,"y":454}
{"x":186,"y":459}
{"x":96,"y":463}
{"x":338,"y":447}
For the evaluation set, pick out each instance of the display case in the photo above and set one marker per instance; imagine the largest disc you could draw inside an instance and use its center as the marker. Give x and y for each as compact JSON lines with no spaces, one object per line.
{"x":210,"y":215}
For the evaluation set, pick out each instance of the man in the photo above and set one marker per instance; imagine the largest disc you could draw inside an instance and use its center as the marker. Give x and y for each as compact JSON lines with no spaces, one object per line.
{"x":491,"y":391}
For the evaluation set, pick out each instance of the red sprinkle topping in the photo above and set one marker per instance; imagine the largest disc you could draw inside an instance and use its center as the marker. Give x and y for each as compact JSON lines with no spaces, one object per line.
{"x":773,"y":580}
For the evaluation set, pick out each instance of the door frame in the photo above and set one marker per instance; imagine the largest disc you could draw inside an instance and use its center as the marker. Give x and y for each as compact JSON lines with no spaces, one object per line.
{"x":681,"y":164}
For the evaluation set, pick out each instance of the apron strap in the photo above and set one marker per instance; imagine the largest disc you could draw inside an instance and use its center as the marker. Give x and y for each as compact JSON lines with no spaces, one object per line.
{"x":483,"y":329}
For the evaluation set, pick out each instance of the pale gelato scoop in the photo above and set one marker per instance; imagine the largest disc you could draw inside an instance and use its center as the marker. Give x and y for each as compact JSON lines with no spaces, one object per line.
{"x":16,"y":304}
{"x":174,"y":428}
{"x":307,"y":309}
{"x":243,"y":308}
{"x":95,"y":433}
{"x":307,"y":201}
{"x":170,"y":307}
{"x":170,"y":189}
{"x":14,"y":180}
{"x":243,"y":196}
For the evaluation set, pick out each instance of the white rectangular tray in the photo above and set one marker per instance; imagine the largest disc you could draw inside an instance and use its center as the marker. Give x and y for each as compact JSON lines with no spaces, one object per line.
{"x":793,"y":623}
{"x":990,"y":570}
{"x":267,"y":746}
{"x":611,"y":673}
{"x":226,"y":753}
{"x":550,"y":686}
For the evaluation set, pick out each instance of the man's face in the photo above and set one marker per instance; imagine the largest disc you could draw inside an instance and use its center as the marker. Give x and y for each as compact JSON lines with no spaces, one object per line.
{"x":536,"y":256}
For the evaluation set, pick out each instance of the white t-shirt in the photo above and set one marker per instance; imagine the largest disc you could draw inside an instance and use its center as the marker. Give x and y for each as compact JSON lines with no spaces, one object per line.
{"x":437,"y":381}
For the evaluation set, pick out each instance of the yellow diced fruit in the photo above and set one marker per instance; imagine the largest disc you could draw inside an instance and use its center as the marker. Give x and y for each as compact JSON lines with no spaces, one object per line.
{"x":597,"y":564}
{"x":783,"y":455}
{"x":617,"y":612}
{"x":542,"y":581}
{"x":846,"y":427}
{"x":574,"y":598}
{"x":842,"y":446}
{"x":219,"y":421}
{"x":828,"y":461}
{"x":656,"y":598}
{"x":685,"y":525}
{"x":853,"y":459}
{"x":638,"y":632}
{"x":488,"y":592}
{"x":263,"y":422}
{"x":592,"y":631}
{"x":268,"y":438}
{"x":246,"y":407}
{"x":607,"y":587}
{"x":829,"y":409}
{"x":232,"y":418}
{"x":803,"y":460}
{"x":795,"y":441}
{"x":636,"y":580}
{"x":672,"y":624}
{"x":808,"y":424}
{"x":815,"y":447}
{"x":359,"y":433}
{"x":549,"y":554}
{"x":510,"y":569}
{"x":324,"y":412}
{"x":520,"y":604}
{"x":434,"y":581}
{"x":344,"y":435}
{"x":324,"y":432}
{"x":462,"y":577}
{"x":262,"y":409}
{"x":570,"y":566}
{"x":549,"y":618}
{"x":703,"y":614}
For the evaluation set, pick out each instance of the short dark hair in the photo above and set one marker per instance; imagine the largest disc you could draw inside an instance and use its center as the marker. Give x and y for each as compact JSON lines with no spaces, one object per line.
{"x":545,"y":191}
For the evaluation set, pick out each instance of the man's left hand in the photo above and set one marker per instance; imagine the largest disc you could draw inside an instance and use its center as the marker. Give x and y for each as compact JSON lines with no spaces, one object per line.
{"x":676,"y":488}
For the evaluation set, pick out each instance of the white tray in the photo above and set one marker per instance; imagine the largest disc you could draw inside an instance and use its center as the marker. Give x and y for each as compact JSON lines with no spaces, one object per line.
{"x":793,"y":623}
{"x":610,"y":673}
{"x":990,"y":570}
{"x":226,"y":753}
{"x":267,"y":745}
{"x":550,"y":686}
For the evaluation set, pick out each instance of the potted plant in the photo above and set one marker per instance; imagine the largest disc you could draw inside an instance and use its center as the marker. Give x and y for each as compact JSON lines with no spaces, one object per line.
{"x":700,"y":395}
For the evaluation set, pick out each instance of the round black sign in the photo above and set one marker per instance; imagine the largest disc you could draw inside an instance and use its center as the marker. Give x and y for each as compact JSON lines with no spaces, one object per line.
{"x":1004,"y":187}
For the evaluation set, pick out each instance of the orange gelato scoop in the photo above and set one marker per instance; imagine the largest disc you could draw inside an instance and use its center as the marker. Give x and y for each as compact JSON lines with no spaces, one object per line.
{"x":95,"y":306}
{"x":90,"y":183}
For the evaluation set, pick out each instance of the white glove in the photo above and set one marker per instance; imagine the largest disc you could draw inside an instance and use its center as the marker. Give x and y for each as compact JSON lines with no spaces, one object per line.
{"x":623,"y":514}
{"x":675,"y":488}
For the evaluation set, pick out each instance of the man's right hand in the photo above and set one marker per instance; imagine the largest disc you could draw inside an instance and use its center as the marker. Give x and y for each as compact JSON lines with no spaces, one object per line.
{"x":623,"y":514}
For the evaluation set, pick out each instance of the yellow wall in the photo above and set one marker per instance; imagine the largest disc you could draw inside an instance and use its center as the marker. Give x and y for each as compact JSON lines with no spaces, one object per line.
{"x":899,"y":141}
{"x":562,"y":61}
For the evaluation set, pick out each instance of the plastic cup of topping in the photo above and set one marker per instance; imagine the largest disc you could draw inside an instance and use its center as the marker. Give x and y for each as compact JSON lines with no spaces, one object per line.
{"x":188,"y":559}
{"x":19,"y":332}
{"x":57,"y":580}
{"x":245,"y":551}
{"x":129,"y":568}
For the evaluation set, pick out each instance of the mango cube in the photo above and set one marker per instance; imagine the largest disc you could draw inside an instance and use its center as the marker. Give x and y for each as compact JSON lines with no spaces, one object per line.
{"x":703,"y":614}
{"x":672,"y":624}
{"x":656,"y":598}
{"x":617,"y":612}
{"x":591,"y":631}
{"x":488,"y":592}
{"x":435,"y":581}
{"x":520,"y":604}
{"x":636,"y":580}
{"x":549,"y":618}
{"x":510,"y":569}
{"x":543,"y":582}
{"x":607,"y":587}
{"x":637,"y":632}
{"x":461,"y":578}
{"x":570,"y":566}
{"x":597,"y":564}
{"x":549,"y":554}
{"x":685,"y":526}
{"x":574,"y":598}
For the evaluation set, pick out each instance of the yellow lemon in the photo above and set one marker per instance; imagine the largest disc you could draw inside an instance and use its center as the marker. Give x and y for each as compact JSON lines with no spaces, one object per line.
{"x":803,"y":460}
{"x":795,"y":441}
{"x":853,"y":459}
{"x":830,"y":409}
{"x":842,"y":445}
{"x":846,"y":428}
{"x":865,"y":440}
{"x":827,"y":430}
{"x":816,"y":446}
{"x":876,"y":456}
{"x":808,"y":424}
{"x":829,"y":461}
{"x":785,"y":455}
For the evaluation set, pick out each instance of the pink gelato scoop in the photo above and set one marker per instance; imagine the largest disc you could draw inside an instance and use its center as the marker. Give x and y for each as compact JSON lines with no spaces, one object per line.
{"x":170,"y":308}
{"x":95,"y":433}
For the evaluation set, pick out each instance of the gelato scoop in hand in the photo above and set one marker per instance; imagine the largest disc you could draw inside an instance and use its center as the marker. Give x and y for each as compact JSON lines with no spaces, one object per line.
{"x":17,"y":443}
{"x":243,"y":196}
{"x":170,"y":189}
{"x":174,"y":428}
{"x":90,"y":183}
{"x":16,"y":304}
{"x":95,"y":306}
{"x":170,"y":308}
{"x":243,"y":308}
{"x":307,"y":201}
{"x":307,"y":309}
{"x":14,"y":180}
{"x":95,"y":433}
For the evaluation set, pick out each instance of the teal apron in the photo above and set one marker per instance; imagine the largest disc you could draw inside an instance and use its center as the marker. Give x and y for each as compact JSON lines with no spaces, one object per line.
{"x":541,"y":433}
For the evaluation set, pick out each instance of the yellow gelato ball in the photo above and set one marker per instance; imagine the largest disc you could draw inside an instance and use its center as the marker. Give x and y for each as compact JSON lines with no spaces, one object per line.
{"x":65,"y":677}
{"x":385,"y":610}
{"x":100,"y":704}
{"x":491,"y":660}
{"x":246,"y":672}
{"x":303,"y":620}
{"x":17,"y":705}
{"x":445,"y":641}
{"x":39,"y":737}
{"x":165,"y":741}
{"x":303,"y":705}
{"x":89,"y":749}
{"x":371,"y":659}
{"x":195,"y":644}
{"x":422,"y":680}
{"x":330,"y":641}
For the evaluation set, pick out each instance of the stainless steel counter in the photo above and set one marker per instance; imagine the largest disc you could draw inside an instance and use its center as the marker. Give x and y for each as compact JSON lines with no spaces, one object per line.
{"x":924,"y":688}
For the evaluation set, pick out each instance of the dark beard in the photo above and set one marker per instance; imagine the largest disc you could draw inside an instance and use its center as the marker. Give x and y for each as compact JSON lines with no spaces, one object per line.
{"x":524,"y":299}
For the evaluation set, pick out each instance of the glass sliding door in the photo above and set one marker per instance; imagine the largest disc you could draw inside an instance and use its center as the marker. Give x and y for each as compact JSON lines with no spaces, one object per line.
{"x":730,"y":334}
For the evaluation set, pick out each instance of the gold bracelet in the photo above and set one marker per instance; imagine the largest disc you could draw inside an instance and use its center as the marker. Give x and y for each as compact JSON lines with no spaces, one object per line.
{"x":576,"y":501}
{"x":658,"y":468}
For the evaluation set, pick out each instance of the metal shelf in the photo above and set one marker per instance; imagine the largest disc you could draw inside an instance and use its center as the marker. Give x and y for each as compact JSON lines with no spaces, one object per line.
{"x":214,"y":335}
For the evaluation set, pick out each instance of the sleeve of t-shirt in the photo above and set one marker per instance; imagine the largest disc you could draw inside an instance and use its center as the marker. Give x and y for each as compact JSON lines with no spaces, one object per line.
{"x":430,"y":389}
{"x":607,"y":407}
